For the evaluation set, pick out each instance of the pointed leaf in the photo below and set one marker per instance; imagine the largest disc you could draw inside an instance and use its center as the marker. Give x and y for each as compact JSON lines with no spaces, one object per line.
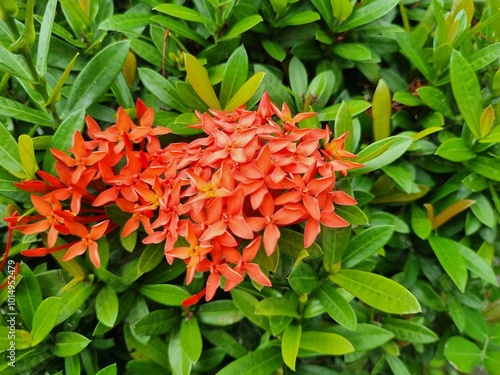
{"x":27,"y":155}
{"x":241,"y":26}
{"x":290,"y":344}
{"x":377,"y":291}
{"x":325,"y":343}
{"x":466,"y":91}
{"x":235,"y":75}
{"x":367,"y":13}
{"x":182,"y":12}
{"x":97,"y":76}
{"x":45,"y":319}
{"x":106,"y":306}
{"x":12,"y":109}
{"x":335,"y":241}
{"x":410,"y":49}
{"x":451,"y":260}
{"x":72,"y":299}
{"x":336,"y":306}
{"x":28,"y":295}
{"x":262,"y":361}
{"x":407,"y":330}
{"x":157,"y":322}
{"x":366,"y":336}
{"x":151,"y":256}
{"x":365,"y":244}
{"x":9,"y":154}
{"x":123,"y":22}
{"x":463,"y":354}
{"x":70,"y":343}
{"x":476,"y":264}
{"x":343,"y":124}
{"x":245,"y":92}
{"x":198,"y":77}
{"x":455,"y":149}
{"x":190,"y":337}
{"x":44,"y":37}
{"x":169,"y":295}
{"x":485,"y":166}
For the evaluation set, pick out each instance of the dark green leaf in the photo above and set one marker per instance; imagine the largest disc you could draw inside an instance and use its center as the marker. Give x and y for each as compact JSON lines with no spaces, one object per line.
{"x":303,"y":278}
{"x":73,"y":298}
{"x":414,"y":54}
{"x":151,"y":256}
{"x":97,"y":76}
{"x":12,"y":109}
{"x":365,"y":244}
{"x":366,"y":337}
{"x":262,"y":361}
{"x":336,"y":306}
{"x":235,"y":75}
{"x":219,"y":313}
{"x":182,"y":12}
{"x":485,"y":166}
{"x":123,"y":22}
{"x":297,"y":19}
{"x":407,"y":330}
{"x":169,"y":295}
{"x":157,"y":322}
{"x":106,"y":306}
{"x":334,"y":242}
{"x":28,"y":295}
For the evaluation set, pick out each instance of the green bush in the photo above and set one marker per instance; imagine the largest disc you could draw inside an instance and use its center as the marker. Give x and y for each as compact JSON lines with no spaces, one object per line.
{"x":402,"y":280}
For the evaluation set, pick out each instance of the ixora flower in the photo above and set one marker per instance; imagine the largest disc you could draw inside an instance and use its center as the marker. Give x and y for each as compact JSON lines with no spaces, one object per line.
{"x":214,"y":203}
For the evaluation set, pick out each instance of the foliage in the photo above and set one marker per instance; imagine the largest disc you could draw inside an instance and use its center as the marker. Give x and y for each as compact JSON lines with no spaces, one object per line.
{"x":406,"y":284}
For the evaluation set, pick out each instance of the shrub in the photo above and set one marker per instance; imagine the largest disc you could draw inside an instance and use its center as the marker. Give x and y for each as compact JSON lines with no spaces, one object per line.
{"x":261,"y":186}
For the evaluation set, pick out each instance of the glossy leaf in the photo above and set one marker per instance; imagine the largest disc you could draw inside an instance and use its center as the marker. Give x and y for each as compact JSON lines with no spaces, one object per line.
{"x":9,"y":154}
{"x":190,"y":338}
{"x":352,"y":51}
{"x":219,"y":313}
{"x":273,"y":306}
{"x":476,"y":264}
{"x":151,"y":256}
{"x":97,"y":76}
{"x":21,"y":338}
{"x":179,"y":27}
{"x":343,"y":124}
{"x":407,"y":330}
{"x":336,"y":306}
{"x":365,"y":244}
{"x":342,"y":9}
{"x":420,"y":222}
{"x":166,"y":294}
{"x":274,"y":50}
{"x":122,"y":22}
{"x":325,"y":343}
{"x":367,"y":13}
{"x":106,"y":306}
{"x":377,"y":291}
{"x":235,"y":75}
{"x":365,"y":337}
{"x":303,"y":278}
{"x":262,"y":361}
{"x":27,"y":155}
{"x":222,"y":339}
{"x":485,"y":166}
{"x":486,"y":121}
{"x":44,"y":37}
{"x":12,"y":109}
{"x":44,"y":319}
{"x":410,"y":49}
{"x":245,"y":92}
{"x":28,"y":295}
{"x":290,"y":342}
{"x":157,"y":322}
{"x":355,"y":106}
{"x":463,"y":354}
{"x":14,"y":64}
{"x":436,"y":100}
{"x":162,"y":88}
{"x":241,"y":26}
{"x":248,"y":305}
{"x":397,"y":365}
{"x":455,"y":149}
{"x":198,"y":77}
{"x":451,"y":260}
{"x":292,"y":243}
{"x":451,"y":211}
{"x":466,"y":91}
{"x":297,"y":19}
{"x":73,"y":298}
{"x":335,"y":241}
{"x":70,"y":343}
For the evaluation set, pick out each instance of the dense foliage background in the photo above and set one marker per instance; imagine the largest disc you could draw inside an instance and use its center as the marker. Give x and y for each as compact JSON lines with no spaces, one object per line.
{"x":416,"y":84}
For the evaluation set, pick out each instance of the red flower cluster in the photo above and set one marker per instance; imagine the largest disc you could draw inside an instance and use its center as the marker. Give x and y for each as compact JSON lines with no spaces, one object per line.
{"x":224,"y":194}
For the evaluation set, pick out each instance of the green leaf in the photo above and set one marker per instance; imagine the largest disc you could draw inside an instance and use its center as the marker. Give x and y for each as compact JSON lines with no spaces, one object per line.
{"x":355,"y":106}
{"x":235,"y":75}
{"x":343,"y":124}
{"x":151,"y":256}
{"x":275,"y":50}
{"x":407,"y":330}
{"x":179,"y":27}
{"x":436,"y":100}
{"x":106,"y":306}
{"x":463,"y":354}
{"x":476,"y":264}
{"x":21,"y":338}
{"x":491,"y":362}
{"x":45,"y":319}
{"x":220,"y":313}
{"x":241,"y":26}
{"x":183,"y":13}
{"x":403,"y":177}
{"x":190,"y":337}
{"x":366,"y":337}
{"x":352,"y":51}
{"x":451,"y":260}
{"x":381,"y":153}
{"x":485,"y":166}
{"x":248,"y":304}
{"x":70,"y":343}
{"x":198,"y":77}
{"x":155,"y":348}
{"x":157,"y":322}
{"x":365,"y":244}
{"x":484,"y":56}
{"x":342,"y":9}
{"x":9,"y":154}
{"x":325,"y":343}
{"x":381,"y":111}
{"x":169,"y":295}
{"x":75,"y":15}
{"x":108,"y":370}
{"x":367,"y":13}
{"x":352,"y":214}
{"x":420,"y":222}
{"x":245,"y":92}
{"x":397,"y":365}
{"x":380,"y":292}
{"x":262,"y":361}
{"x":334,"y":242}
{"x":27,"y":155}
{"x":290,"y":342}
{"x":72,"y":299}
{"x":297,"y":19}
{"x":292,"y":243}
{"x":222,"y":339}
{"x":55,"y":95}
{"x":28,"y":295}
{"x":124,"y":22}
{"x":44,"y":37}
{"x":455,"y":149}
{"x":483,"y":210}
{"x":12,"y":109}
{"x":163,"y":89}
{"x":97,"y":76}
{"x":410,"y":49}
{"x":336,"y":306}
{"x":14,"y":65}
{"x":273,"y":306}
{"x":303,"y":278}
{"x":466,"y":91}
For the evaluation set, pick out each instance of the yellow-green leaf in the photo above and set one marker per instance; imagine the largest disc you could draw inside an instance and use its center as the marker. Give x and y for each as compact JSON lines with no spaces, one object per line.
{"x":381,"y":111}
{"x":290,"y":344}
{"x":27,"y":154}
{"x":486,"y":121}
{"x":198,"y":77}
{"x":45,"y":319}
{"x":245,"y":92}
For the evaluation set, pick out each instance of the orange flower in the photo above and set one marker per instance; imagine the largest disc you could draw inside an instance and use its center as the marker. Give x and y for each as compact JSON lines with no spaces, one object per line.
{"x":88,"y":241}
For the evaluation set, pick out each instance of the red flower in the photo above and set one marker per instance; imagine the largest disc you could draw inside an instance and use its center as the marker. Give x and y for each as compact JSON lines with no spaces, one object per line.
{"x":88,"y":241}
